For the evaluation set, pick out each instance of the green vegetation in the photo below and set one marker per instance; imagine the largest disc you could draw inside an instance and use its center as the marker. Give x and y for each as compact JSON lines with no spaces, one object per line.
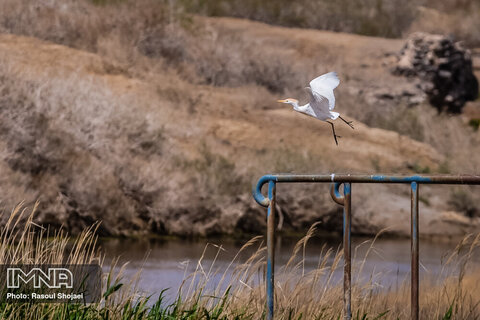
{"x":417,"y":168}
{"x":444,"y":167}
{"x":106,"y":2}
{"x":300,"y":294}
{"x":474,"y":123}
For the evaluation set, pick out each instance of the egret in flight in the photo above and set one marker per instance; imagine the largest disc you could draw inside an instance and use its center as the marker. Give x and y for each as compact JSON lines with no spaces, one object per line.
{"x":322,"y":101}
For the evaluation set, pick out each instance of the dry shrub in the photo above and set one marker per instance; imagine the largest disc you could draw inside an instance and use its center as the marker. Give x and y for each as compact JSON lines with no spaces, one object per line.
{"x":90,"y":153}
{"x":119,"y":30}
{"x":142,"y":34}
{"x":214,"y":174}
{"x":81,"y":24}
{"x":460,"y":19}
{"x":386,"y":18}
{"x":223,"y":58}
{"x":74,"y":143}
{"x":448,"y":134}
{"x":463,"y":200}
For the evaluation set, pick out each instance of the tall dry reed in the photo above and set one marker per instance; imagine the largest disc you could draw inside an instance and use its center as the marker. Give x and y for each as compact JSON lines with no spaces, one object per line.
{"x":238,"y":290}
{"x":318,"y":294}
{"x":24,"y":242}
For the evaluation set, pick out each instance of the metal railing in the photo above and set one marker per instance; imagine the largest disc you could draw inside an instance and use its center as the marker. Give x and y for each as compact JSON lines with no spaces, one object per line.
{"x":345,"y":200}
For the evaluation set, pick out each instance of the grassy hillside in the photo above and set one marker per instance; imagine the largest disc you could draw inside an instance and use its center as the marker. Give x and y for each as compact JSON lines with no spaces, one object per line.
{"x":381,"y":18}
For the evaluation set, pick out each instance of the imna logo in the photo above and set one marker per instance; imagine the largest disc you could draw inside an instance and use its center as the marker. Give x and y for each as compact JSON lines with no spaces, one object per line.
{"x":53,"y":278}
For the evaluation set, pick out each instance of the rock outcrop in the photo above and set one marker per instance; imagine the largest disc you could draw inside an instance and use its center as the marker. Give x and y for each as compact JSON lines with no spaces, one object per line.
{"x":445,"y":68}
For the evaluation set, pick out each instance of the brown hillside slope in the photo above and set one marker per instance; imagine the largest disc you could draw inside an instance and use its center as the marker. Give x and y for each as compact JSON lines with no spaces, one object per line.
{"x":155,"y":153}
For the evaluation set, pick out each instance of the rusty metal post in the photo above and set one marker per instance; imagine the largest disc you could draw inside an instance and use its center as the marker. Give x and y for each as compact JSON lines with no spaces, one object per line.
{"x":271,"y":249}
{"x":345,"y":201}
{"x":347,"y":267}
{"x":414,"y":250}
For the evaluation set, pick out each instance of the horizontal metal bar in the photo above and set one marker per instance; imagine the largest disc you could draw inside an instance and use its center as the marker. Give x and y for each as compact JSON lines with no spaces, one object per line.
{"x":341,"y":178}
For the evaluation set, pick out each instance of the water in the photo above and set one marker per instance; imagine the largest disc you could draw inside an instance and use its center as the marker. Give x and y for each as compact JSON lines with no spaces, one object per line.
{"x":164,"y":263}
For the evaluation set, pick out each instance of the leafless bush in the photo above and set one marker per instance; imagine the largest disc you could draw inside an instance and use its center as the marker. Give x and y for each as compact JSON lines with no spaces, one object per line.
{"x":81,"y":24}
{"x":215,"y":174}
{"x":72,"y":141}
{"x":464,"y":200}
{"x":448,"y":134}
{"x":459,"y":18}
{"x":226,"y":59}
{"x":130,"y":31}
{"x":387,"y":18}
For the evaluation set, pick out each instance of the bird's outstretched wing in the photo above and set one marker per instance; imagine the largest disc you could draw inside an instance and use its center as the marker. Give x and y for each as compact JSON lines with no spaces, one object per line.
{"x":324,"y":85}
{"x":319,"y":104}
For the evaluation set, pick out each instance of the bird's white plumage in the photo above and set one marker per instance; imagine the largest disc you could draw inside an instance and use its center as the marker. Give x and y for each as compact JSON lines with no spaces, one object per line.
{"x":322,"y":101}
{"x":324,"y":85}
{"x":319,"y":105}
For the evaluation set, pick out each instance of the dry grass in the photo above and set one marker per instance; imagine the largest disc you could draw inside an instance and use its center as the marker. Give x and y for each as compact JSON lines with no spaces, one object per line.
{"x":318,"y":294}
{"x":20,"y":242}
{"x":81,"y":24}
{"x":385,"y":18}
{"x":238,"y":290}
{"x":144,"y":34}
{"x":448,"y":134}
{"x":459,"y":18}
{"x":24,"y":242}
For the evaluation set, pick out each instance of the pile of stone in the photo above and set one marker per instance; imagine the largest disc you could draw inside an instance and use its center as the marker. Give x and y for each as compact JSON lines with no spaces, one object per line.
{"x":444,"y":68}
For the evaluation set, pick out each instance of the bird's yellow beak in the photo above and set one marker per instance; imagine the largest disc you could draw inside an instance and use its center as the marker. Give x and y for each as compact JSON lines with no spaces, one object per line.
{"x":282,"y":101}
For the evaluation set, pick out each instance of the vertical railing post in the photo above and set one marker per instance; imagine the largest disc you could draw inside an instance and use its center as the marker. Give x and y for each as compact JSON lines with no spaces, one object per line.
{"x":414,"y":250}
{"x":347,"y":268}
{"x":345,"y":201}
{"x":270,"y":249}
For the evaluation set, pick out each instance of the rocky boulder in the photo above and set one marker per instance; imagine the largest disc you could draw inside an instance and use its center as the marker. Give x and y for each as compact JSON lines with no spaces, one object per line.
{"x":444,"y":67}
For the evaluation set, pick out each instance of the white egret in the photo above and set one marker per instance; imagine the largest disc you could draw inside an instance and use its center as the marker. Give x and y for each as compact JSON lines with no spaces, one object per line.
{"x":322,"y":100}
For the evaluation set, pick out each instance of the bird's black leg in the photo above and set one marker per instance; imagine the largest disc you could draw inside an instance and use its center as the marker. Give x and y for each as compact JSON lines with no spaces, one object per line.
{"x":334,"y":134}
{"x":347,"y":122}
